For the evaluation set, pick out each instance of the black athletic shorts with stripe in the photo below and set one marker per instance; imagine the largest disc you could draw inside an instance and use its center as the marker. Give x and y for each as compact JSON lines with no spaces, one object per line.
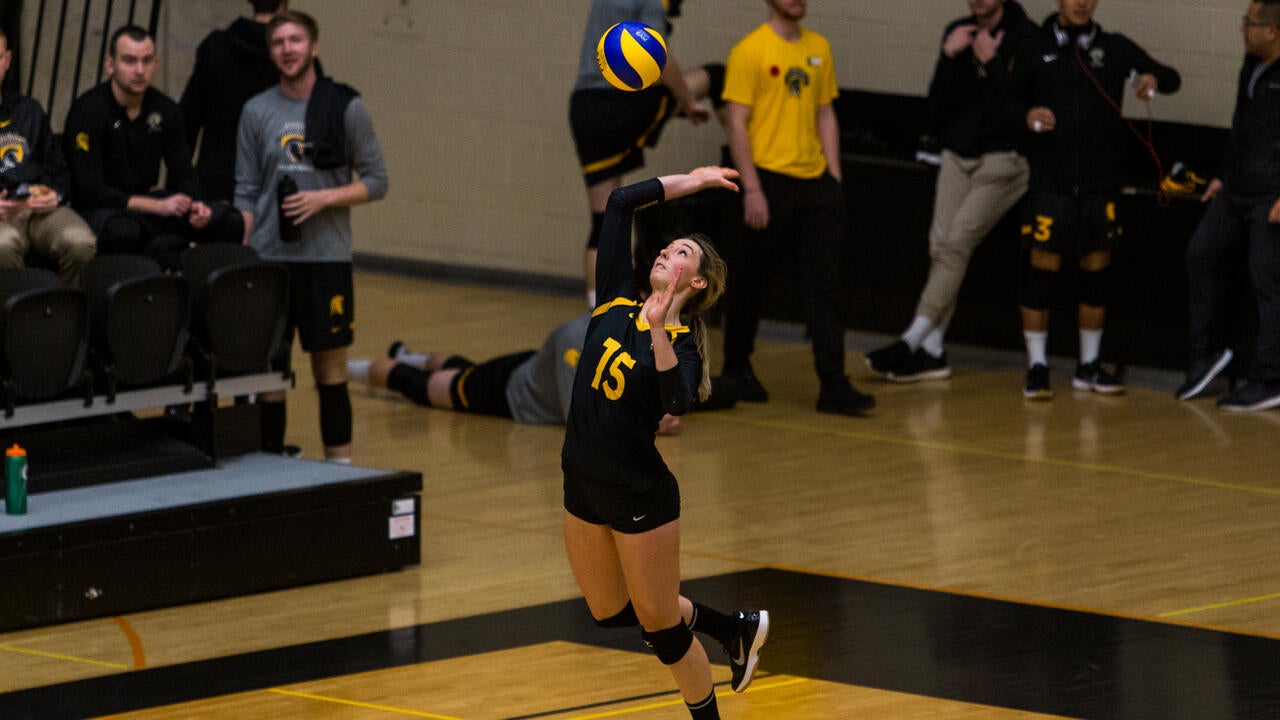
{"x":1071,"y":226}
{"x":611,"y":128}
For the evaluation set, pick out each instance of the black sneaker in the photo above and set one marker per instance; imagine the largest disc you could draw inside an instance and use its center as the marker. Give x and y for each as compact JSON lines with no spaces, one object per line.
{"x":889,"y":358}
{"x":744,"y":649}
{"x":1092,"y":377}
{"x":1037,"y":387}
{"x":842,"y":398}
{"x":1252,"y":397}
{"x":393,"y":351}
{"x":1202,"y":373}
{"x":291,"y":451}
{"x":921,"y":366}
{"x":749,"y":387}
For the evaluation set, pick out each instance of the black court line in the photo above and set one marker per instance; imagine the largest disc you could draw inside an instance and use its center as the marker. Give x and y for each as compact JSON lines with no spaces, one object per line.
{"x":929,"y":643}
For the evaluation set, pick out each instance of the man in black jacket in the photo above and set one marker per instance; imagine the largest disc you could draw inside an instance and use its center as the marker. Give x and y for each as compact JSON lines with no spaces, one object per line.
{"x":1077,"y":151}
{"x":33,"y":184}
{"x":974,"y":97}
{"x":1244,"y":209}
{"x":116,"y":136}
{"x":232,"y":65}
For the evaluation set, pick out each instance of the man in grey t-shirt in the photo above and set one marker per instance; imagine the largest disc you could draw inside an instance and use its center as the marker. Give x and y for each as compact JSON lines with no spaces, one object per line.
{"x":318,"y":134}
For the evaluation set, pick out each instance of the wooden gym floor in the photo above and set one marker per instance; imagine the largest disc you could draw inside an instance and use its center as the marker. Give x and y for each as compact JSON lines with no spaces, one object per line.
{"x":960,"y":553}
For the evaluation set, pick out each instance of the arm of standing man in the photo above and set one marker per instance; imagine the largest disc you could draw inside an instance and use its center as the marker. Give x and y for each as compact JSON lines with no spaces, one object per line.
{"x":829,"y":135}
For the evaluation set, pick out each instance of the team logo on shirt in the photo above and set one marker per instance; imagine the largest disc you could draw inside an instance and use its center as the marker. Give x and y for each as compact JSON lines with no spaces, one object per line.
{"x":155,"y":123}
{"x":797,"y":80}
{"x":1097,"y":57}
{"x":13,"y":150}
{"x":82,"y":142}
{"x":291,"y":140}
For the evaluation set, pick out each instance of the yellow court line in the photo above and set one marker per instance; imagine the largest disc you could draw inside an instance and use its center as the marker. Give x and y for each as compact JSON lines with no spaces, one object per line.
{"x":966,"y":450}
{"x":1219,"y":606}
{"x":672,"y":703}
{"x":354,"y":703}
{"x":56,"y":656}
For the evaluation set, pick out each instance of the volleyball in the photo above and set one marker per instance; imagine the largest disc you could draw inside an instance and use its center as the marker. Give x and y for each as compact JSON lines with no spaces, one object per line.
{"x":631,"y":55}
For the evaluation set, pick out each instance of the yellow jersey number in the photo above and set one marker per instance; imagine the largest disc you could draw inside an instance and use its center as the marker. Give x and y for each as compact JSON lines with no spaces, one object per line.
{"x":614,"y":387}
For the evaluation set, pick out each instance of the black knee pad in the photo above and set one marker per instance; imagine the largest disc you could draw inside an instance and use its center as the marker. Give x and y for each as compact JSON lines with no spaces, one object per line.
{"x":1094,"y":286}
{"x":669,"y":645}
{"x":335,"y":414}
{"x":597,"y":225}
{"x":410,"y":382}
{"x":1037,"y":288}
{"x":625,"y":618}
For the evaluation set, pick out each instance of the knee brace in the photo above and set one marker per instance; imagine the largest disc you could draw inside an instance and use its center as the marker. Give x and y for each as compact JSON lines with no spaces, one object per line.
{"x":669,"y":645}
{"x":626,"y":617}
{"x":597,"y":225}
{"x":410,"y":382}
{"x":335,"y":414}
{"x":1094,"y":286}
{"x":1037,"y":288}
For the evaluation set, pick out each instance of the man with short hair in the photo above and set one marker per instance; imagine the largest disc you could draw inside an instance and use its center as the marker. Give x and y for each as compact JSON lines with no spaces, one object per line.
{"x":117,"y":135}
{"x":1077,"y":150}
{"x":232,"y":65}
{"x":974,"y":98}
{"x":33,"y":186}
{"x":317,"y":134}
{"x":784,"y":138}
{"x":1244,"y":210}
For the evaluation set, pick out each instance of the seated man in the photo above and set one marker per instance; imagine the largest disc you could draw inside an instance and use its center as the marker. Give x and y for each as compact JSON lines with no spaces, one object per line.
{"x":117,"y":134}
{"x":532,"y":387}
{"x":33,"y":184}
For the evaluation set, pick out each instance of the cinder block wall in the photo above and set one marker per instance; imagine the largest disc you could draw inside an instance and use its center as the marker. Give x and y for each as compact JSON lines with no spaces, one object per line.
{"x":470,"y":99}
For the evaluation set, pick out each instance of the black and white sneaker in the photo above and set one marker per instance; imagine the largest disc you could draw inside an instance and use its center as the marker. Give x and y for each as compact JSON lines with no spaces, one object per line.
{"x":1253,"y":397}
{"x":921,"y":366}
{"x":744,"y":649}
{"x":1037,"y":387}
{"x":393,"y":350}
{"x":1203,"y":373}
{"x":1092,"y":377}
{"x":889,"y":358}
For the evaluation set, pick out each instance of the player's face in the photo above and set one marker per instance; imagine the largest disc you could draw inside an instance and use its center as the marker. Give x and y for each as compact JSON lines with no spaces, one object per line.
{"x":131,"y":65}
{"x":292,"y":51}
{"x":682,"y":256}
{"x":793,"y":10}
{"x":1076,"y":12}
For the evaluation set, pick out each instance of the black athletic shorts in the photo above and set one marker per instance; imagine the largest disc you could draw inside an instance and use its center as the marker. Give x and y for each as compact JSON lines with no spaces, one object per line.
{"x":611,"y":128}
{"x":1070,"y":226}
{"x":615,"y":505}
{"x":483,"y":388}
{"x":321,"y":305}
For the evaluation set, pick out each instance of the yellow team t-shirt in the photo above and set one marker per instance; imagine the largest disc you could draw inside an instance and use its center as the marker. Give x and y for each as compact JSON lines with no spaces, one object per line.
{"x":784,"y":84}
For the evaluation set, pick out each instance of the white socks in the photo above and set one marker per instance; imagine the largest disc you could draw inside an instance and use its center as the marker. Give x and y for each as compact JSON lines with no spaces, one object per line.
{"x":406,"y":357}
{"x":916,"y":333}
{"x":1037,"y":347}
{"x":1090,"y":345}
{"x":932,"y":343}
{"x":358,"y":370}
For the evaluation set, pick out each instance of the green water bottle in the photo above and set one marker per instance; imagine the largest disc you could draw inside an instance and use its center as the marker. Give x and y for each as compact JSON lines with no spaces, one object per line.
{"x":15,"y":481}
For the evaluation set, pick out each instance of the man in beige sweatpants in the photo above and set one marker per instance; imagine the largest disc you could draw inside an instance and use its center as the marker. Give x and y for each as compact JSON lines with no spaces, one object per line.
{"x":976,"y":83}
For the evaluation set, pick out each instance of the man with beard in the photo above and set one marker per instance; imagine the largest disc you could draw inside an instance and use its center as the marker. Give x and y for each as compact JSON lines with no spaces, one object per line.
{"x":117,"y":134}
{"x":314,"y":136}
{"x":974,"y":98}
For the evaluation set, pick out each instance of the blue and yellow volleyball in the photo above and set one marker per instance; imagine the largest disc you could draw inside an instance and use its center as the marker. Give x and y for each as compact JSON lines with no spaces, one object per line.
{"x":631,"y":55}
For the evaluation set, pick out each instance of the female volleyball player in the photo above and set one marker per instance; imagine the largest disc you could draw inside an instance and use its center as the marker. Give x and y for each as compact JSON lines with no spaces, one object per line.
{"x":622,"y":505}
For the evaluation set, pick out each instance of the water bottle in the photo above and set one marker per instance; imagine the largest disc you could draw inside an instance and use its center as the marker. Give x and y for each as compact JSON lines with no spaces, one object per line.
{"x":289,"y":232}
{"x":15,"y":481}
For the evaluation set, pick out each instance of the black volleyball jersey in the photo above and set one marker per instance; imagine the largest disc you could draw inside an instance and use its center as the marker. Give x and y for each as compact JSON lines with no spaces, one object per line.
{"x":618,"y":394}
